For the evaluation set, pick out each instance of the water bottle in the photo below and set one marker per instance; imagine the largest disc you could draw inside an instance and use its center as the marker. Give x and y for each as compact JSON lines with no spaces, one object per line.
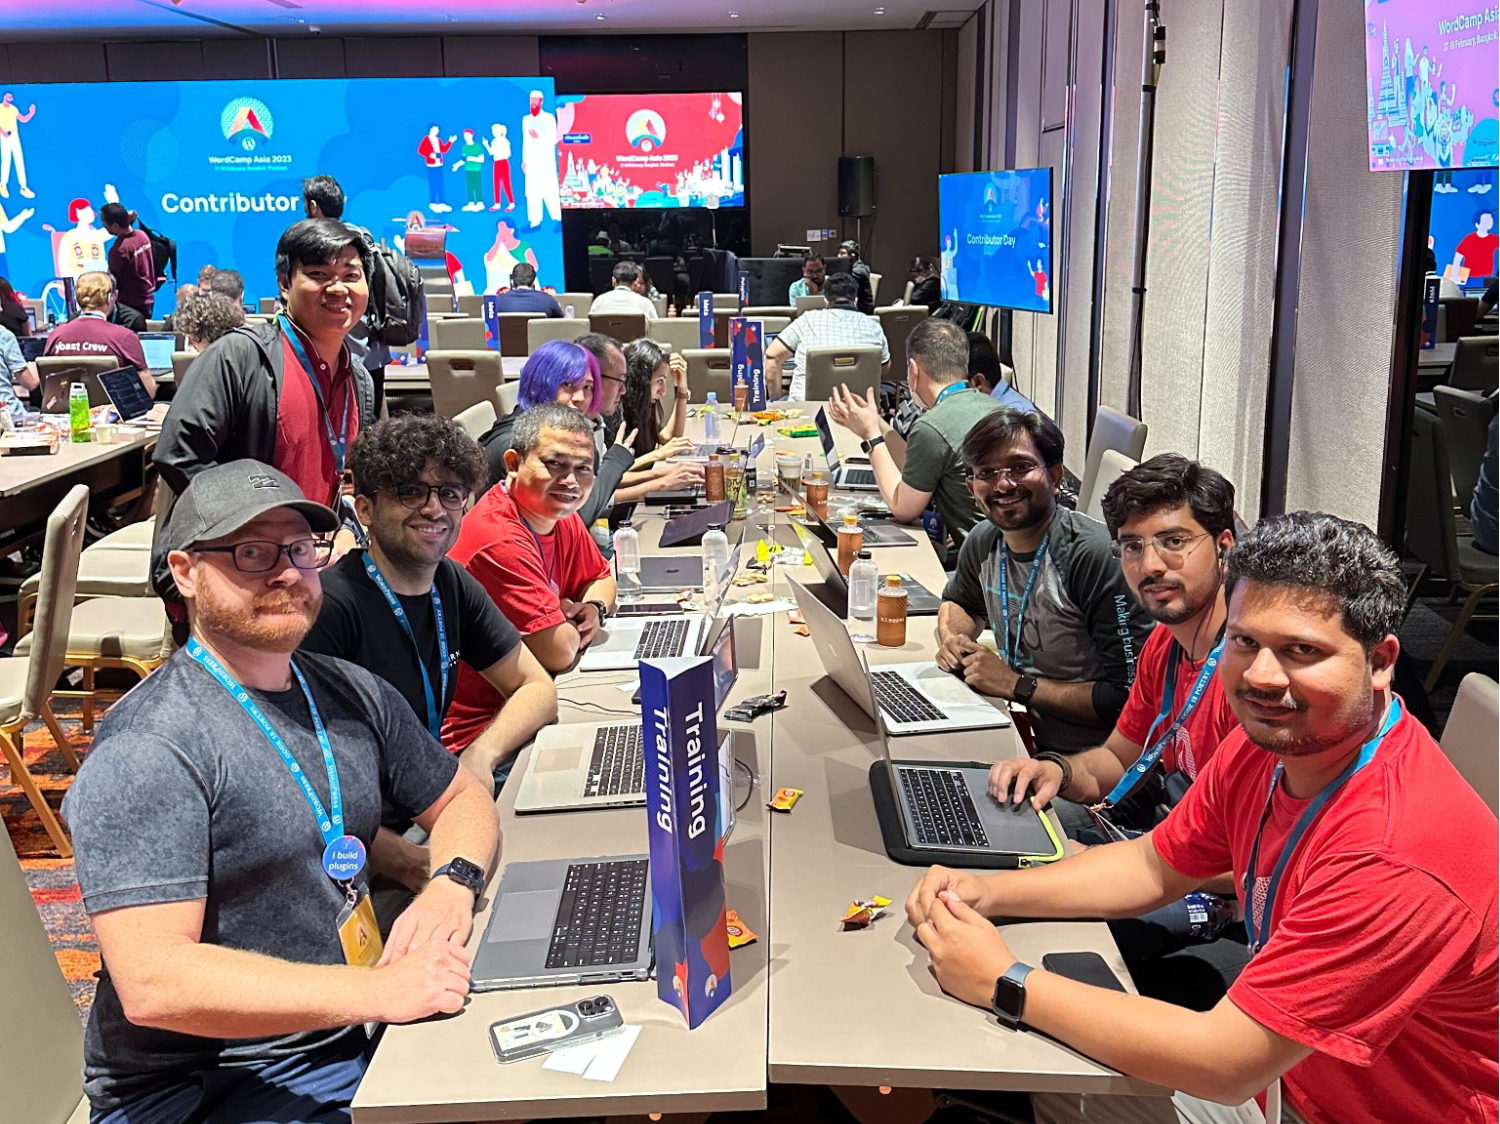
{"x":627,"y":563}
{"x":862,"y":578}
{"x":715,"y":557}
{"x":78,"y":411}
{"x":569,"y":311}
{"x":1208,"y":915}
{"x":711,"y":419}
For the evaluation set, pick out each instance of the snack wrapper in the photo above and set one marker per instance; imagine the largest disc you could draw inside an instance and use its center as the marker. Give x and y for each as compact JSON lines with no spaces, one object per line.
{"x":861,"y":914}
{"x":784,"y":800}
{"x":739,"y":932}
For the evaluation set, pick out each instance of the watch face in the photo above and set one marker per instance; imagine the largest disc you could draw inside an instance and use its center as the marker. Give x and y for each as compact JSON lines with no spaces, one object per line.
{"x":466,"y":873}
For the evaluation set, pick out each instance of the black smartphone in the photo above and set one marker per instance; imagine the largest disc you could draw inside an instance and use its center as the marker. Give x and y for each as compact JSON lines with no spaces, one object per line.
{"x":1085,"y":967}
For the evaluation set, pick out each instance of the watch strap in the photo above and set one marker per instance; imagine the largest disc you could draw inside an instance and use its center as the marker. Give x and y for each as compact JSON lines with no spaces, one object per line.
{"x":462,"y":876}
{"x":1062,"y":763}
{"x":869,"y":446}
{"x":603,"y":609}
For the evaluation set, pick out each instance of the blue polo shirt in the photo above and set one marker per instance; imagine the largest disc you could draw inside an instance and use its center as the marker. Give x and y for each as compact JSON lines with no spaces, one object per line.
{"x":528,"y":300}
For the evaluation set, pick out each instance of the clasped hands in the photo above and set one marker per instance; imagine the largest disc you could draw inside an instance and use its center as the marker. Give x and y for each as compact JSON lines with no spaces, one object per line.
{"x":947,"y":908}
{"x":979,"y":667}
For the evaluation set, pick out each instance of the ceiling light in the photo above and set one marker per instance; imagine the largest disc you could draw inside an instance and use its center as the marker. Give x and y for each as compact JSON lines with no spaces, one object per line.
{"x":600,"y":16}
{"x":734,"y":15}
{"x":880,"y":11}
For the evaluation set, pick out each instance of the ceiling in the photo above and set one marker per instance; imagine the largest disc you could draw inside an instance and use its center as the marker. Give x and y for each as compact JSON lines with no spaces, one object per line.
{"x":183,"y":18}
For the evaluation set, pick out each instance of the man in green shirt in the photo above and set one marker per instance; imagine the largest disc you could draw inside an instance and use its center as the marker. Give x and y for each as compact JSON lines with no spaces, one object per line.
{"x":926,"y":465}
{"x":473,"y":165}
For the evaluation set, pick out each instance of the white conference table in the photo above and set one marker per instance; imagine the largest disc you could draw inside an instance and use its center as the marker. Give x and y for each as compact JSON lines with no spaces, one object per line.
{"x":412,"y":378}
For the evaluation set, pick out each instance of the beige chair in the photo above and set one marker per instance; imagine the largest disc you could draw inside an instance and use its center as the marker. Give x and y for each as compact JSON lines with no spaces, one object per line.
{"x":458,"y":333}
{"x":476,"y":419}
{"x":101,"y":572}
{"x":761,"y":311}
{"x":542,"y":329}
{"x":257,"y":319}
{"x":708,"y":370}
{"x":661,"y":305}
{"x":1112,"y":466}
{"x":1470,"y":738}
{"x":722,"y":317}
{"x":1112,"y":430}
{"x":898,"y":321}
{"x":622,"y":326}
{"x":581,"y":303}
{"x":472,"y":304}
{"x":907,"y":292}
{"x":267,"y":306}
{"x":875,"y":286}
{"x":828,"y":367}
{"x":506,"y":394}
{"x":1466,"y":427}
{"x":729,"y":301}
{"x":26,"y":680}
{"x":677,"y":334}
{"x":439,"y":304}
{"x":156,"y":325}
{"x":41,"y":1052}
{"x":513,"y":331}
{"x":461,"y":378}
{"x":775,"y":325}
{"x":181,"y":361}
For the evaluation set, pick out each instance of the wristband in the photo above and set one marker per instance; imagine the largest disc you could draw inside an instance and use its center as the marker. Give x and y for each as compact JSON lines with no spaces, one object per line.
{"x":603,"y":610}
{"x":1062,"y":763}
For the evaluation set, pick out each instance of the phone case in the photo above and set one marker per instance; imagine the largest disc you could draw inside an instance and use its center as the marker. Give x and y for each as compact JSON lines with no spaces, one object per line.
{"x":1083,"y":967}
{"x":555,"y":1028}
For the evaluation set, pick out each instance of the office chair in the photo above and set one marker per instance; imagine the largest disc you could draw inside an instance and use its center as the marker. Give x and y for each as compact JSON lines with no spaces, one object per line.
{"x":544,"y":329}
{"x":1459,"y":314}
{"x":459,"y":379}
{"x":1476,"y":363}
{"x":581,"y":303}
{"x":1120,"y":432}
{"x":677,"y":334}
{"x":1469,"y":739}
{"x":472,"y":304}
{"x":1466,"y":424}
{"x":828,"y":367}
{"x":621,"y":326}
{"x":458,"y":333}
{"x":514,"y":335}
{"x":476,"y":419}
{"x":1112,"y":466}
{"x":708,"y":370}
{"x":898,"y":322}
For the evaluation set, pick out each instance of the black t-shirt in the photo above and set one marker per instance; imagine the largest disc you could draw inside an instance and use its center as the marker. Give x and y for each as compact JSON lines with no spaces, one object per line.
{"x":356,"y":624}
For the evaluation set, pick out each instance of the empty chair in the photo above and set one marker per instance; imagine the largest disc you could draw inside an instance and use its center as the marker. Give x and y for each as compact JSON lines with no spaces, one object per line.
{"x":897,"y":322}
{"x":472,"y":304}
{"x":677,"y":334}
{"x":439,"y":303}
{"x":267,"y":306}
{"x":542,"y":329}
{"x":858,"y":368}
{"x":461,"y":378}
{"x":1112,"y":430}
{"x":622,"y":326}
{"x":103,"y":571}
{"x":708,"y":369}
{"x":181,"y":361}
{"x":581,"y":303}
{"x":875,"y":287}
{"x":506,"y":394}
{"x":761,"y":311}
{"x":459,"y":333}
{"x":477,"y":418}
{"x":774,"y":325}
{"x":1466,"y":423}
{"x":1471,"y":739}
{"x":906,"y":293}
{"x":156,"y":325}
{"x":1459,"y":315}
{"x":513,"y":331}
{"x":1112,"y":466}
{"x":1476,"y":363}
{"x":731,"y":301}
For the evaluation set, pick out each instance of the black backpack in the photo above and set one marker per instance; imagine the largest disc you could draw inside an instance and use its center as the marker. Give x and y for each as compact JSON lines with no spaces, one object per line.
{"x":163,"y":252}
{"x":397,"y":301}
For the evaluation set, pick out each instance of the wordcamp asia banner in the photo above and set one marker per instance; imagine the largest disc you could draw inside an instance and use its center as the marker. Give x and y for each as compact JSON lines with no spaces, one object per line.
{"x":218,"y":167}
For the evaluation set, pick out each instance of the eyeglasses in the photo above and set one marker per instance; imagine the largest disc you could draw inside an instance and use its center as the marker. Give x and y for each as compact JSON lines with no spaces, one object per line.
{"x":414,"y":497}
{"x":259,"y":556}
{"x":611,"y":378}
{"x":990,"y":474}
{"x":559,"y":469}
{"x":1172,"y":547}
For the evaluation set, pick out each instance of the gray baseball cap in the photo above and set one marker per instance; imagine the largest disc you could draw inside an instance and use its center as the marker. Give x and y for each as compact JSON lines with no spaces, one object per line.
{"x":222,"y":499}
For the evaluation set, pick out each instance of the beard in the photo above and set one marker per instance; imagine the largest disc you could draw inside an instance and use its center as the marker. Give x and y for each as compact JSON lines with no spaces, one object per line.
{"x":1018,"y":517}
{"x":274,"y":622}
{"x":1288,"y":743}
{"x":1170,"y":613}
{"x":406,"y":551}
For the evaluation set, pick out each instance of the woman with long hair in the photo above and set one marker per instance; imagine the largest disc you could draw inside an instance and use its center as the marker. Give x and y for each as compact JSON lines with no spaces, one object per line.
{"x":12,"y":311}
{"x":648,"y":365}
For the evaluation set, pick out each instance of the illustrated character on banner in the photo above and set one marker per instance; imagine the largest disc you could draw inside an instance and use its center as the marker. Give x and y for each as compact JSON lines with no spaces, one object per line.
{"x":499,"y":149}
{"x":1476,"y":250}
{"x":11,"y":118}
{"x":433,"y":150}
{"x":472,"y":164}
{"x":508,"y":252}
{"x":539,"y":163}
{"x":9,"y":225}
{"x":81,"y":249}
{"x":948,"y":266}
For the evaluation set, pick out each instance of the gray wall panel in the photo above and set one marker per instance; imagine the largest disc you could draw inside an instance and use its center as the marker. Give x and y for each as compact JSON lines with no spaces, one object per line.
{"x":490,"y":56}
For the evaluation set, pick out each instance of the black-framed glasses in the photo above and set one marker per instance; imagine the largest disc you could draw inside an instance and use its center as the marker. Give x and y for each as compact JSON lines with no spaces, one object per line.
{"x":989,"y":474}
{"x":414,"y":497}
{"x":1172,"y":547}
{"x":259,"y":556}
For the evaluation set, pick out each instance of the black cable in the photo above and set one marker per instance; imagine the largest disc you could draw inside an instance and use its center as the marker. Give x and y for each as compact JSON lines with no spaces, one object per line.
{"x":749,"y":772}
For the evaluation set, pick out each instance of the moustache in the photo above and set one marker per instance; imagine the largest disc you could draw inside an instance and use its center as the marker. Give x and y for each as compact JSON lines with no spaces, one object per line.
{"x":293,"y":600}
{"x":1164,"y":582}
{"x":1270,"y":698}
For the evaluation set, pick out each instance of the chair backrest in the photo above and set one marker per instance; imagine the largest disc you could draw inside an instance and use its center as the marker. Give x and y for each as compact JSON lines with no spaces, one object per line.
{"x":472,"y":304}
{"x":156,"y":325}
{"x":722,"y":317}
{"x":1112,"y":466}
{"x":439,"y":304}
{"x":53,"y":616}
{"x":41,"y":1053}
{"x":811,"y":302}
{"x":775,"y":325}
{"x":508,"y":395}
{"x":1471,"y":739}
{"x":730,"y":301}
{"x":622,"y":326}
{"x":906,"y":293}
{"x":1112,"y":430}
{"x":1466,"y":424}
{"x":514,"y":339}
{"x":543,"y":329}
{"x":898,"y":321}
{"x":477,"y":418}
{"x":267,"y":306}
{"x":1476,"y":363}
{"x":677,"y":334}
{"x":458,"y":333}
{"x":1459,"y":316}
{"x":828,"y":367}
{"x":461,"y":378}
{"x":875,"y":286}
{"x":1431,"y":534}
{"x":661,"y":305}
{"x":761,"y":311}
{"x":181,"y":361}
{"x":708,"y":369}
{"x":93,"y":364}
{"x":257,"y":319}
{"x":581,"y":303}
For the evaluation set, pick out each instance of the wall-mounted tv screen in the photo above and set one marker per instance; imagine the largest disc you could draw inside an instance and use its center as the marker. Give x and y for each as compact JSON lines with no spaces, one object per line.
{"x":651,"y":150}
{"x":996,"y":235}
{"x":218,"y":167}
{"x":1431,"y":89}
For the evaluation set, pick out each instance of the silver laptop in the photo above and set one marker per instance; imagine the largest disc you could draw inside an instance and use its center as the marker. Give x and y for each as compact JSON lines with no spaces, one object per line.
{"x":920,"y":601}
{"x":158,"y":347}
{"x":853,"y":478}
{"x":603,"y":765}
{"x":876,"y":534}
{"x":808,"y":303}
{"x":916,"y":698}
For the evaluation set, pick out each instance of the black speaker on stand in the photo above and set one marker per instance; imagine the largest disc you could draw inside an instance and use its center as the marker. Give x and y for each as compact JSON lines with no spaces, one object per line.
{"x":856,"y":189}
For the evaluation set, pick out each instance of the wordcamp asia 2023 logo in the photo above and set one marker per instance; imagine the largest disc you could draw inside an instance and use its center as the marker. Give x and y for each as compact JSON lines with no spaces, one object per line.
{"x":246,"y":122}
{"x":645,"y":129}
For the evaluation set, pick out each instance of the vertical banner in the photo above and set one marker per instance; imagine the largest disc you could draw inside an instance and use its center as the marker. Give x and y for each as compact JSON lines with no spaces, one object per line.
{"x":747,"y":359}
{"x":683,"y":794}
{"x":705,"y":319}
{"x":1431,"y":287}
{"x":492,"y":322}
{"x":744,"y":288}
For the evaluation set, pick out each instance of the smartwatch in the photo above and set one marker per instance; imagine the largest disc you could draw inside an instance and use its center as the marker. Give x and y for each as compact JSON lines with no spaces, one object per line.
{"x":869,"y":446}
{"x":465,"y":873}
{"x":1023,"y":690}
{"x":603,"y":610}
{"x":1009,"y":1000}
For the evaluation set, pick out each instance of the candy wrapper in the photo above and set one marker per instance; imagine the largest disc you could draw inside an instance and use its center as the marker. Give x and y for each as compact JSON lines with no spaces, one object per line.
{"x":739,"y":932}
{"x":784,"y":800}
{"x":862,"y":913}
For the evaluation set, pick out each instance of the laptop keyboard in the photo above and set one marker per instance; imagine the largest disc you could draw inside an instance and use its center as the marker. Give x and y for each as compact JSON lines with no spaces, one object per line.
{"x":599,"y":917}
{"x":941,"y":809}
{"x":619,"y":763}
{"x":661,"y":638}
{"x":897,"y":699}
{"x":859,"y":477}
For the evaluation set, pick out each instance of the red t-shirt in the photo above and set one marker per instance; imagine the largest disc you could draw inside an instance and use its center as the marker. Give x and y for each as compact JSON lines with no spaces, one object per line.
{"x":1382,"y":955}
{"x":1205,"y":728}
{"x":302,"y":448}
{"x":88,"y":335}
{"x":1478,"y":251}
{"x":527,"y":574}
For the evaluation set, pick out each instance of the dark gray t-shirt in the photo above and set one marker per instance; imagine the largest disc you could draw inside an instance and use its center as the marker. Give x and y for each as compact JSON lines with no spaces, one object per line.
{"x":182,"y":798}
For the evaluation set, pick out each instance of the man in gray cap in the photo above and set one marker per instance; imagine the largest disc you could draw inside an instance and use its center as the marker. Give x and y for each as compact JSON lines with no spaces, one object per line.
{"x":220,"y":825}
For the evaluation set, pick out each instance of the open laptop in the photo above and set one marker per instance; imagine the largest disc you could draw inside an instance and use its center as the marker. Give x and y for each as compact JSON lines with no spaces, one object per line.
{"x":32,"y":347}
{"x":948,"y":807}
{"x":603,"y":765}
{"x":158,"y":347}
{"x":127,"y":392}
{"x":57,"y":384}
{"x":876,"y":534}
{"x":853,"y":478}
{"x":690,"y":528}
{"x":916,"y":698}
{"x":920,"y":601}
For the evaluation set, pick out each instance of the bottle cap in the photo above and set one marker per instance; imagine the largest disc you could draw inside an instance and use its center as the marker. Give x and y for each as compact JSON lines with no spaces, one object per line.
{"x":623,"y":523}
{"x":864,"y":555}
{"x":850,"y":519}
{"x":893,"y":581}
{"x":817,"y":474}
{"x":713,"y":457}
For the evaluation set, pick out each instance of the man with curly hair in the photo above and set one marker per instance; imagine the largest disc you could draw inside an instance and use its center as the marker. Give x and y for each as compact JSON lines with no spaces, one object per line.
{"x":205,"y":317}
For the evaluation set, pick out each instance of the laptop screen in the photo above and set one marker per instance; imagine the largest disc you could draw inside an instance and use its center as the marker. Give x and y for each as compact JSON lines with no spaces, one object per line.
{"x":756,"y":446}
{"x":725,"y":663}
{"x":825,"y":435}
{"x":158,"y":347}
{"x":32,"y":349}
{"x":695,"y":523}
{"x":127,"y":392}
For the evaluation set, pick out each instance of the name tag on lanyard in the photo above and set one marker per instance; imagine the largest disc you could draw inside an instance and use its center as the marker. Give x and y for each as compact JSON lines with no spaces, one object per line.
{"x":338,"y":443}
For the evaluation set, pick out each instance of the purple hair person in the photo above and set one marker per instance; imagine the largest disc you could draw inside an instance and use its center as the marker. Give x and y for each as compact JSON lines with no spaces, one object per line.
{"x":561,"y":372}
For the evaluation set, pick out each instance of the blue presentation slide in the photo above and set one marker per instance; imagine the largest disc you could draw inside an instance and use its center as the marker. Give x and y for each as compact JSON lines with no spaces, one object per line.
{"x":996,"y":234}
{"x":218,"y":167}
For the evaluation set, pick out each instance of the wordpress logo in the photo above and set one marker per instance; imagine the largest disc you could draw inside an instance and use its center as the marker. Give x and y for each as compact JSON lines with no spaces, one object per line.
{"x":645,"y":129}
{"x":246,"y":122}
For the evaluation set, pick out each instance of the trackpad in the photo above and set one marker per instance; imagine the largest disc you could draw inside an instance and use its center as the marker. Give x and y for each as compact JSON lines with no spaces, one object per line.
{"x":524,"y":916}
{"x":559,"y":757}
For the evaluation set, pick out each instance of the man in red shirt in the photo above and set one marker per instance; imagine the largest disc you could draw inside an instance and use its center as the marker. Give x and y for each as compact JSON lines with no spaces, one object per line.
{"x":90,"y":334}
{"x":131,"y":262}
{"x":525,"y":544}
{"x":1365,"y":862}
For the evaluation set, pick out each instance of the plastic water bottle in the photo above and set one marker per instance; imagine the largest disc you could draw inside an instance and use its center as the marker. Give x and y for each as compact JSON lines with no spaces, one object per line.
{"x":715,"y":557}
{"x":862,"y":578}
{"x":78,"y":411}
{"x":627,"y":563}
{"x":711,"y":419}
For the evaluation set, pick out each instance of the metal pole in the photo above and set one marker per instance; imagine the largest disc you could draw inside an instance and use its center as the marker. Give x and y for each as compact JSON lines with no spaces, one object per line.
{"x":1153,"y":55}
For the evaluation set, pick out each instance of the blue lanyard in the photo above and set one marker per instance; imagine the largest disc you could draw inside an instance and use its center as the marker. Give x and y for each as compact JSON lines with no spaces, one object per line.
{"x":1258,"y":926}
{"x":947,"y":390}
{"x":1152,"y":754}
{"x":1003,"y":577}
{"x":330,"y":825}
{"x":339,"y":442}
{"x":536,"y":538}
{"x":434,"y":714}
